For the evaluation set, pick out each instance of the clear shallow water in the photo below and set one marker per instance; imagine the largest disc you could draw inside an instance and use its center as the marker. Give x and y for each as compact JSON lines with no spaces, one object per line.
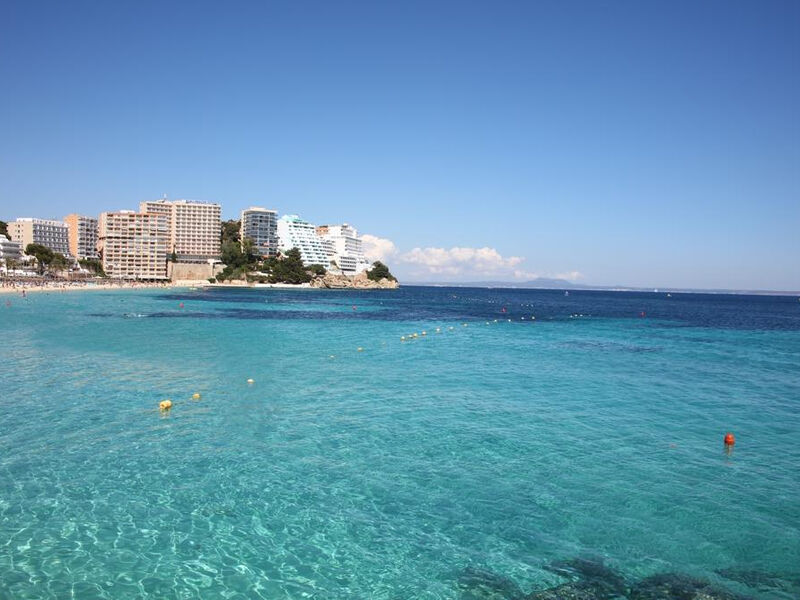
{"x":386,"y":473}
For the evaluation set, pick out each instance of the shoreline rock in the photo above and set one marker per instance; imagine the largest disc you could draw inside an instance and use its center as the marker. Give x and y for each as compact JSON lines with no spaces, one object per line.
{"x":333,"y":281}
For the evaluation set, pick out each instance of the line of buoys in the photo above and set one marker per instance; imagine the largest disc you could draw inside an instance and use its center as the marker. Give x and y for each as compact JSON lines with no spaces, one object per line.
{"x":165,"y":405}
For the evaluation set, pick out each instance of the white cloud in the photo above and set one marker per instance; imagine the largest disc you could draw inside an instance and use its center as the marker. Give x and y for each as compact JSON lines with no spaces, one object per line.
{"x":454,"y":264}
{"x":460,"y":261}
{"x":376,"y":248}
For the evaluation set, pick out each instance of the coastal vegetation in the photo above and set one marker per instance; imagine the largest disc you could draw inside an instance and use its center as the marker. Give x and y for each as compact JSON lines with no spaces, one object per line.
{"x":46,"y":259}
{"x":380,"y":271}
{"x":4,"y":229}
{"x":93,"y":265}
{"x":230,"y":231}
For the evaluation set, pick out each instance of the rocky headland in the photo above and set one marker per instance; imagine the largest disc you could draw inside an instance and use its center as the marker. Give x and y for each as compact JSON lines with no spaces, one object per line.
{"x":333,"y":281}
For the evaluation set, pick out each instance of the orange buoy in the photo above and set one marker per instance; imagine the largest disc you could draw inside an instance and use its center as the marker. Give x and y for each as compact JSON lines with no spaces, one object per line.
{"x":180,"y":305}
{"x":729,"y":439}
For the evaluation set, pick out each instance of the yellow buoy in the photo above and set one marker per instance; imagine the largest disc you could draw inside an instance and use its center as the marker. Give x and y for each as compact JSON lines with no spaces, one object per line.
{"x":250,"y":381}
{"x":415,"y":335}
{"x":464,"y":324}
{"x":360,"y":349}
{"x":196,"y":396}
{"x":165,"y":404}
{"x":402,"y":338}
{"x":424,"y":333}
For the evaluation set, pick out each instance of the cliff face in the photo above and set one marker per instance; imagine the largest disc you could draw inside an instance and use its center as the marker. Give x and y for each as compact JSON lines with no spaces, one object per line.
{"x":360,"y":281}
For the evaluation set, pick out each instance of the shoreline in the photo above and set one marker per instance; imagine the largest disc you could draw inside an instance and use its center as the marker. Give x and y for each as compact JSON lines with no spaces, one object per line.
{"x":77,"y":287}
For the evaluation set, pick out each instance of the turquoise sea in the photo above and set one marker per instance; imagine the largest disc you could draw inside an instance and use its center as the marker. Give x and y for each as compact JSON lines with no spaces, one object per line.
{"x":493,"y":459}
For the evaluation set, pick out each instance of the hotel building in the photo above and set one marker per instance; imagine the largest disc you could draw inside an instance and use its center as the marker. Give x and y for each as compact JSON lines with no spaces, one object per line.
{"x":294,"y":232}
{"x":344,"y":247}
{"x":51,"y":234}
{"x":9,"y":250}
{"x":82,"y":236}
{"x":134,"y":245}
{"x":194,"y":228}
{"x":261,"y":226}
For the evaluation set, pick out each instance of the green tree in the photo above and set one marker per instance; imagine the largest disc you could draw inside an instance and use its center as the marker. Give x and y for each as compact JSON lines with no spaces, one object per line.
{"x":317,"y":270}
{"x":289,"y":268}
{"x":43,"y":255}
{"x":4,"y":229}
{"x":230,"y":231}
{"x":59,"y":262}
{"x":380,"y":271}
{"x":94,"y":265}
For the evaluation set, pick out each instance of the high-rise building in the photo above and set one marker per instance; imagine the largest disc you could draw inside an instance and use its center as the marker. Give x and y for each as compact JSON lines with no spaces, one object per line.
{"x":82,"y":236}
{"x":344,"y":247}
{"x":194,"y":227}
{"x":261,"y":226}
{"x":134,"y":245}
{"x":48,"y":233}
{"x":294,"y":232}
{"x":9,"y":250}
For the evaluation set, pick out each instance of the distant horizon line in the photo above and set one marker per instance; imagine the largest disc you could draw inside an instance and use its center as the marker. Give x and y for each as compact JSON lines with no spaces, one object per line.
{"x":570,"y":287}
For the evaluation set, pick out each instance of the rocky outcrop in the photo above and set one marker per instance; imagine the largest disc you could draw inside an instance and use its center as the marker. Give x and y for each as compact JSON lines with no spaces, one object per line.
{"x":335,"y":281}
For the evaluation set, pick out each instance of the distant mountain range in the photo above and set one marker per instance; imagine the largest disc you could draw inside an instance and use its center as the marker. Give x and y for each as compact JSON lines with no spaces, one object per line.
{"x":546,"y":283}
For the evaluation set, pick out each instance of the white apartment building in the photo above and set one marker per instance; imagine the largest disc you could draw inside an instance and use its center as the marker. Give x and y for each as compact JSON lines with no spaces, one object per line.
{"x":9,"y":249}
{"x":344,"y":247}
{"x":261,"y":226}
{"x":48,"y":233}
{"x":294,"y":232}
{"x":82,"y":236}
{"x":134,"y":245}
{"x":194,"y":227}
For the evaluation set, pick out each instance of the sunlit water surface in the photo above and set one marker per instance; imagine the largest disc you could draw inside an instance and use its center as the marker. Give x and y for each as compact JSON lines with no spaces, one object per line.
{"x":390,"y":472}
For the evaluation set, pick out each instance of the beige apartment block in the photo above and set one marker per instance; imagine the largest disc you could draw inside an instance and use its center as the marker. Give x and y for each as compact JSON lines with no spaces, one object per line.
{"x":82,"y":236}
{"x":48,"y":233}
{"x":134,"y":245}
{"x":194,"y":227}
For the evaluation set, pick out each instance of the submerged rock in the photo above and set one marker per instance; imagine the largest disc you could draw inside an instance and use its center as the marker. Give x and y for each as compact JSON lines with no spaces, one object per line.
{"x":592,"y":575}
{"x":760,"y":579}
{"x":671,"y":586}
{"x":481,"y":584}
{"x":568,"y":591}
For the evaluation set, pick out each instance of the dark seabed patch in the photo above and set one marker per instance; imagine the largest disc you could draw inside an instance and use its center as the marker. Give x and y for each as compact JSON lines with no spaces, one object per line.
{"x":592,"y":579}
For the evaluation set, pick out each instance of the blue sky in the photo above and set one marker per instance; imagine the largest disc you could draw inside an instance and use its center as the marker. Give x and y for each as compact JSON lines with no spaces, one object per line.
{"x":639,"y":143}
